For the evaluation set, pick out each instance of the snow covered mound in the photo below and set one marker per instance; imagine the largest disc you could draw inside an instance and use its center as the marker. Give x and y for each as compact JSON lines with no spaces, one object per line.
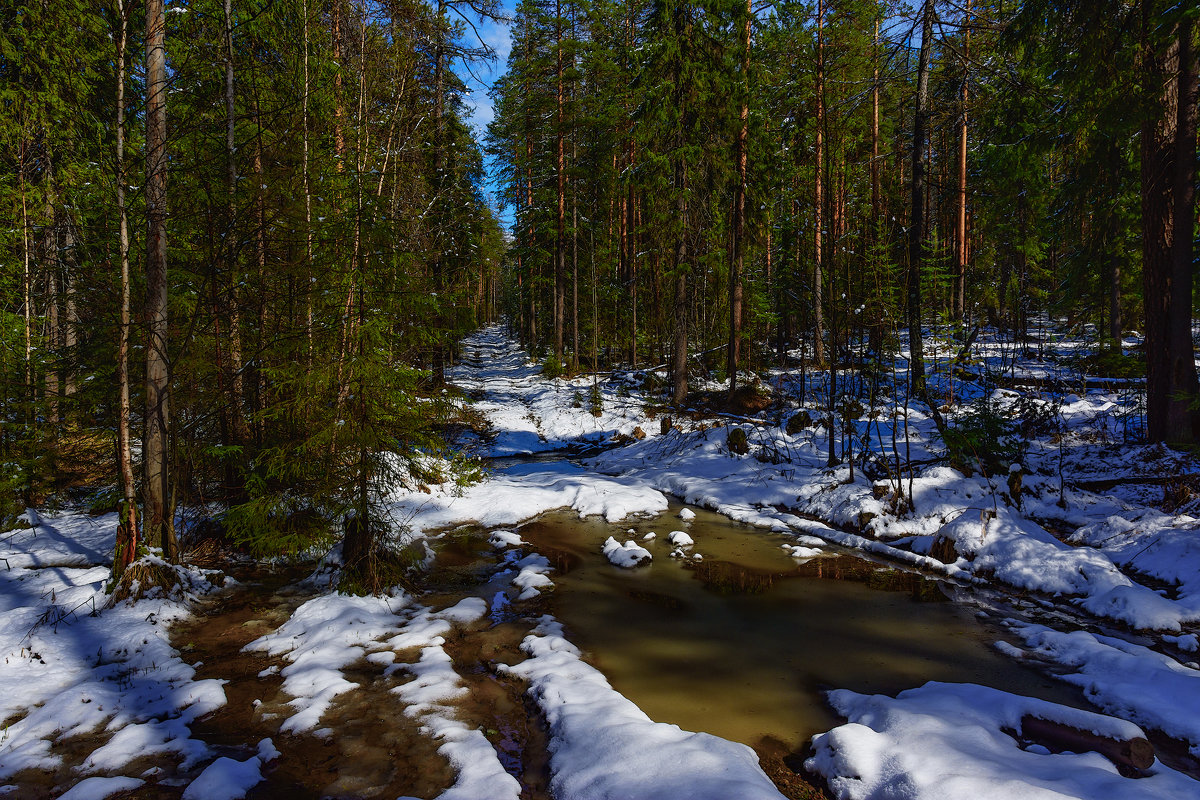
{"x":324,"y":635}
{"x":71,"y":666}
{"x":532,"y":579}
{"x":952,"y":741}
{"x":604,"y":747}
{"x":680,"y":539}
{"x":628,"y":555}
{"x":1126,"y":679}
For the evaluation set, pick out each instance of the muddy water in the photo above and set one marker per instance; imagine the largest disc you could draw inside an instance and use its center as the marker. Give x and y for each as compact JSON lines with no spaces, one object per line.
{"x":743,"y":643}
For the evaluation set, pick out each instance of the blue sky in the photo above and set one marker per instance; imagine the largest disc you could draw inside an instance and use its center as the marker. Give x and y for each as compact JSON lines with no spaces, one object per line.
{"x":479,"y":80}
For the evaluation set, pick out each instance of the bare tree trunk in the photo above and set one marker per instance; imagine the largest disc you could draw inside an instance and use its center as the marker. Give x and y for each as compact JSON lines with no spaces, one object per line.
{"x":959,"y":310}
{"x":50,"y":260}
{"x":818,"y":196}
{"x":127,"y":530}
{"x":439,"y":79}
{"x":916,"y":222}
{"x":308,"y":232}
{"x":876,"y":211}
{"x":1115,"y":322}
{"x":560,"y":257}
{"x":26,"y":286}
{"x":159,"y":527}
{"x":739,"y":217}
{"x":1168,"y":222}
{"x":233,"y":423}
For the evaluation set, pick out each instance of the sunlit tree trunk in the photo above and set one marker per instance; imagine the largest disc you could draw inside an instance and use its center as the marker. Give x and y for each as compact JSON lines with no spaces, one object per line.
{"x":818,"y":195}
{"x":739,"y":215}
{"x":127,"y":530}
{"x":158,"y":525}
{"x":916,"y":222}
{"x":960,"y":253}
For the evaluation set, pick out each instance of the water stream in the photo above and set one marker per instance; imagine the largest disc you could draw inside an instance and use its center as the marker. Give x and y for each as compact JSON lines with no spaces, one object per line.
{"x":743,"y":643}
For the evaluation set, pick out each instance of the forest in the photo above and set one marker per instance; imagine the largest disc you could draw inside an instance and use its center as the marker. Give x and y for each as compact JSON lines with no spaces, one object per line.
{"x":699,"y":186}
{"x":272,"y":296}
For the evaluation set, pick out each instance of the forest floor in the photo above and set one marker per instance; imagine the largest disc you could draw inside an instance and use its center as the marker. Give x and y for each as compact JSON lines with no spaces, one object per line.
{"x":1079,"y":548}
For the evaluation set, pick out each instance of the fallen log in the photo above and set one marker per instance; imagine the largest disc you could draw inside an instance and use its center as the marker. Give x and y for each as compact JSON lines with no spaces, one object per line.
{"x":1058,"y":737}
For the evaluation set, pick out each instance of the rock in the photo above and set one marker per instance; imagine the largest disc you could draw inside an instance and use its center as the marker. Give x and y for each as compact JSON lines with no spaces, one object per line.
{"x":798,"y":422}
{"x":737,"y":442}
{"x":680,"y":539}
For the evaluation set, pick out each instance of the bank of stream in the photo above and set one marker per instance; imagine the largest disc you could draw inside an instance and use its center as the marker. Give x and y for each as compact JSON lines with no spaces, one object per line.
{"x":741,"y":643}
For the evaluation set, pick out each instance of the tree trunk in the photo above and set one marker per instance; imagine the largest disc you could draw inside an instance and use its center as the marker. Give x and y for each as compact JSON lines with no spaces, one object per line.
{"x":960,"y":253}
{"x":916,"y":222}
{"x":158,"y":527}
{"x":739,"y":216}
{"x":1168,"y":220}
{"x":127,"y":530}
{"x":818,"y":195}
{"x":560,"y":251}
{"x":679,"y":376}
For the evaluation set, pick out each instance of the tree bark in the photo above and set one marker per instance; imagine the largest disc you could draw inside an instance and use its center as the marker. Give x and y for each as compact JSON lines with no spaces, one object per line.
{"x":818,"y":196}
{"x":127,"y":530}
{"x":917,"y":381}
{"x":739,"y":216}
{"x":560,"y":255}
{"x":158,"y":526}
{"x":960,"y":253}
{"x":1168,"y":225}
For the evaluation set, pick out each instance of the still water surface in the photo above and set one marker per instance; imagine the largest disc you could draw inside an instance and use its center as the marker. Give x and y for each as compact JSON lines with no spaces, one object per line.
{"x":743,"y":643}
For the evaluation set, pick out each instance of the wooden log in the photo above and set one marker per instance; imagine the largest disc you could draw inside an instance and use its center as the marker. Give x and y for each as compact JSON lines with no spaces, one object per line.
{"x":1058,"y":737}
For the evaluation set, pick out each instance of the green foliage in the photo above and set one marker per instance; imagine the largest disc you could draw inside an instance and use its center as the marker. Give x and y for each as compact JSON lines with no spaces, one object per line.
{"x":596,"y":400}
{"x":552,"y":368}
{"x":1110,"y":361}
{"x":984,"y":438}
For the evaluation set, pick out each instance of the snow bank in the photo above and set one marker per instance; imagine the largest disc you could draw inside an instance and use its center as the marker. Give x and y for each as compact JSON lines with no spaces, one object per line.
{"x":1021,"y":553}
{"x":430,"y":697}
{"x":72,"y":666}
{"x":529,"y":413}
{"x":322,"y":636}
{"x":603,"y":746}
{"x":509,"y":498}
{"x":1126,"y":679}
{"x":531,"y":579}
{"x":948,"y":740}
{"x":225,"y":779}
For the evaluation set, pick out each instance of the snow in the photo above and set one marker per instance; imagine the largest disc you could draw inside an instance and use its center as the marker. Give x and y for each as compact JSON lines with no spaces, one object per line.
{"x":225,"y":779}
{"x":72,"y":665}
{"x":1127,"y":679}
{"x":1117,"y":560}
{"x":531,"y":579}
{"x":430,"y":697}
{"x":626,"y":556}
{"x":97,"y":788}
{"x":522,"y":493}
{"x":323,"y":636}
{"x":501,"y":539}
{"x":951,"y":740}
{"x":603,"y":746}
{"x":530,"y":414}
{"x":679,"y":539}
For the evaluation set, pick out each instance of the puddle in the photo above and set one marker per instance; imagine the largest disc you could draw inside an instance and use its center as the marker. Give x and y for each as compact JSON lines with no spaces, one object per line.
{"x":376,"y":750}
{"x":743,"y":643}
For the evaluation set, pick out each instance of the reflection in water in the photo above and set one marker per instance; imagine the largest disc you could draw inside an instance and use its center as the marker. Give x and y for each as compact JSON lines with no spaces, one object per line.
{"x":743,"y":643}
